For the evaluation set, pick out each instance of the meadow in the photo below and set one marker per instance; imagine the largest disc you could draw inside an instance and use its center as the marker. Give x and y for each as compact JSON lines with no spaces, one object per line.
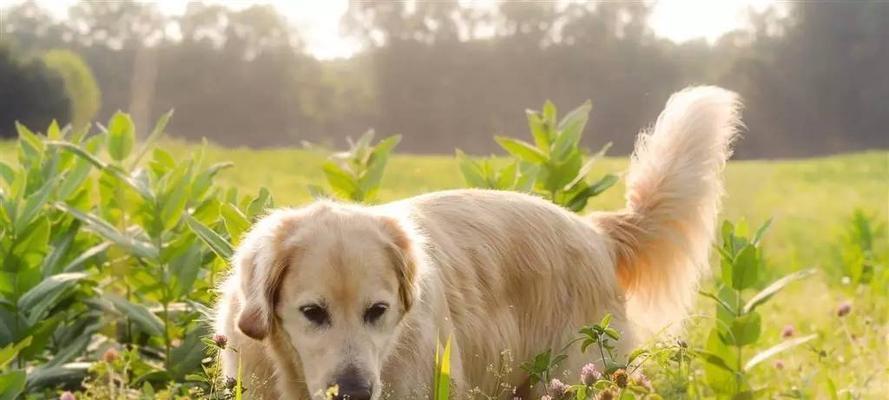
{"x":812,"y":205}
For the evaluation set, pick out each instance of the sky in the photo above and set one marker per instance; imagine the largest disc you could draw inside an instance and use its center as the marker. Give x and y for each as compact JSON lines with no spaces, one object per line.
{"x":318,"y":20}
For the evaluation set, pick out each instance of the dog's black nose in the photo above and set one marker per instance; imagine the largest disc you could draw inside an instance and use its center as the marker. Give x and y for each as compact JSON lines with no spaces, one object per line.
{"x":353,"y":385}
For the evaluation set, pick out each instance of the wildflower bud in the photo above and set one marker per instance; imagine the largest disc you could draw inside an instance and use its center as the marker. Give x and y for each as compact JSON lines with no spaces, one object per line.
{"x":620,"y":378}
{"x":788,"y":331}
{"x":682,"y":343}
{"x":110,"y":355}
{"x":557,"y":388}
{"x":606,"y":394}
{"x":220,"y":341}
{"x":589,"y":374}
{"x":844,"y":309}
{"x":67,"y":396}
{"x":779,"y":364}
{"x":639,"y":379}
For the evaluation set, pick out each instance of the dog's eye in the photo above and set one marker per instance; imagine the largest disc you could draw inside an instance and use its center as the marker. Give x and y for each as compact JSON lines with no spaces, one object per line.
{"x":374,"y":312}
{"x":315,"y":313}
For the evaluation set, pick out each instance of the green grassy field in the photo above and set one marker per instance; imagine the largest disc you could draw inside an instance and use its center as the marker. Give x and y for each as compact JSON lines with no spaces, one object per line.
{"x":809,"y":200}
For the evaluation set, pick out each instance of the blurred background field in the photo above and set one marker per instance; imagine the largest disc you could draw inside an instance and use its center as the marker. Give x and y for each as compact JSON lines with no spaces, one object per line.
{"x":447,"y":74}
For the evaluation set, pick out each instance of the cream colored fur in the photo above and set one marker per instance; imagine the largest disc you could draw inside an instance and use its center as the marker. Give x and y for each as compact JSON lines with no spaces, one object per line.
{"x":496,"y":271}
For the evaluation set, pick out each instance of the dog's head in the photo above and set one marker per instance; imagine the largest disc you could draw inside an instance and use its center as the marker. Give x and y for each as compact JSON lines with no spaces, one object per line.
{"x":335,"y":281}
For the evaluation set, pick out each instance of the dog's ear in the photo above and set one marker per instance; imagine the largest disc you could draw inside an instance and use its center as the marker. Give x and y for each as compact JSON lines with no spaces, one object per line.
{"x":262,"y":260}
{"x":403,"y":250}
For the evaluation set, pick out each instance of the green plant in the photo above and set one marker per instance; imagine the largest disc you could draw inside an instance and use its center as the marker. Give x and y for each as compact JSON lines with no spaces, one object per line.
{"x":12,"y":381}
{"x":738,"y":324}
{"x":118,"y":250}
{"x":621,"y":379}
{"x":552,"y":167}
{"x":864,"y":254}
{"x":43,"y":254}
{"x":355,"y":174}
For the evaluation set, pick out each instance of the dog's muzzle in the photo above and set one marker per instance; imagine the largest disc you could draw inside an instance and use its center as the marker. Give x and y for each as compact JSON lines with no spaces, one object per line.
{"x":353,"y":385}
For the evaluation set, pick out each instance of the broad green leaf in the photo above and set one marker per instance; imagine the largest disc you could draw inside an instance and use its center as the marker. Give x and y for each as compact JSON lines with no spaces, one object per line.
{"x":53,"y":132}
{"x":121,"y":136}
{"x":527,"y":177}
{"x":521,"y":150}
{"x":204,"y":180}
{"x":77,"y":263}
{"x":41,"y":332}
{"x":339,"y":180}
{"x":549,"y":113}
{"x":571,"y":128}
{"x":725,"y":306}
{"x":745,"y":269}
{"x":559,"y":172}
{"x":187,"y":356}
{"x":471,"y":171}
{"x":186,"y":267}
{"x":7,"y":173}
{"x":30,"y":145}
{"x":74,"y":178}
{"x":156,"y":133}
{"x":388,"y":144}
{"x":35,"y":239}
{"x":12,"y":384}
{"x":745,"y":330}
{"x":33,"y":204}
{"x":771,"y":351}
{"x":260,"y":204}
{"x":588,"y":166}
{"x":107,"y":231}
{"x":765,"y":294}
{"x":174,"y":203}
{"x":41,"y":298}
{"x":379,"y":156}
{"x":73,"y":349}
{"x":220,"y":246}
{"x":8,"y":352}
{"x":236,"y":223}
{"x":538,"y":131}
{"x":138,"y":313}
{"x":762,"y":231}
{"x":720,"y":361}
{"x":67,"y":375}
{"x":112,"y":170}
{"x":507,"y":176}
{"x":579,"y":201}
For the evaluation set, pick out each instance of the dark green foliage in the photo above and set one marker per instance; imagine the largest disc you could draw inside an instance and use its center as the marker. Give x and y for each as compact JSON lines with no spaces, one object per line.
{"x":30,"y":93}
{"x":110,"y":253}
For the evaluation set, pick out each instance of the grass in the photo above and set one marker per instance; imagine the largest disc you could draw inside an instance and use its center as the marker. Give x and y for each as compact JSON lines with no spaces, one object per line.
{"x":810,"y":201}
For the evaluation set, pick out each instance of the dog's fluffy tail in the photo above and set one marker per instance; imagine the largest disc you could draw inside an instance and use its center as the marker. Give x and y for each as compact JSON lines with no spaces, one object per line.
{"x":661,"y":240}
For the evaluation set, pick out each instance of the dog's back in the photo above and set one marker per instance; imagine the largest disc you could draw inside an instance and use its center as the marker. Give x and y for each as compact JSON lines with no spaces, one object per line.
{"x":522,"y":274}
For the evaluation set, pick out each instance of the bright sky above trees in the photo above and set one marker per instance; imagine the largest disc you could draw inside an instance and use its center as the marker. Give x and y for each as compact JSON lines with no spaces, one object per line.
{"x":318,"y":21}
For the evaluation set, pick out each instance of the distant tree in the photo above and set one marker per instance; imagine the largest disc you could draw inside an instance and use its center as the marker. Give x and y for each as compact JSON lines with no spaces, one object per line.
{"x":80,"y":85}
{"x":29,"y":93}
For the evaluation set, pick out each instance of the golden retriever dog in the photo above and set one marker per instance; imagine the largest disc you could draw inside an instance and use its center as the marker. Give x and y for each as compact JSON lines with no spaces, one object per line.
{"x":357,"y":297}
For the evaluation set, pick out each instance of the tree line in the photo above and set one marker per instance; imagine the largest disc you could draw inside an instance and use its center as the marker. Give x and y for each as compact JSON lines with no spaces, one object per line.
{"x":445,"y":76}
